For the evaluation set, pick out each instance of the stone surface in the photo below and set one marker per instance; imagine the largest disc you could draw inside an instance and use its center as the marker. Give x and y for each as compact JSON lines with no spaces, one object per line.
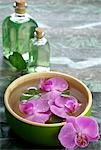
{"x":73,"y":28}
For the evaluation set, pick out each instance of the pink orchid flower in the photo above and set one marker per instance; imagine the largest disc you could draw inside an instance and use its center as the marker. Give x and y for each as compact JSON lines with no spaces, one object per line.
{"x":51,"y":84}
{"x":61,"y":106}
{"x":78,"y":132}
{"x":37,"y":110}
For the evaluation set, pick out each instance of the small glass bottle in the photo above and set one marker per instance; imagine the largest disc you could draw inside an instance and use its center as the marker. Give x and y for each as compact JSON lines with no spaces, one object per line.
{"x":17,"y":30}
{"x":39,"y":55}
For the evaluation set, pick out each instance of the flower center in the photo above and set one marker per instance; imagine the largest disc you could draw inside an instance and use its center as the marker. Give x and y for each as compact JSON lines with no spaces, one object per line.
{"x":70,"y":107}
{"x":81,"y":140}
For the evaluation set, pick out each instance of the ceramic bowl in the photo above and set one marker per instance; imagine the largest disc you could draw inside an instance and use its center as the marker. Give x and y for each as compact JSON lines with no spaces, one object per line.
{"x":37,"y":133}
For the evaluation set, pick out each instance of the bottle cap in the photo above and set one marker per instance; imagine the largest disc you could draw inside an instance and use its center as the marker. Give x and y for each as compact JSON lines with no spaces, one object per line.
{"x":20,"y":6}
{"x":39,"y":32}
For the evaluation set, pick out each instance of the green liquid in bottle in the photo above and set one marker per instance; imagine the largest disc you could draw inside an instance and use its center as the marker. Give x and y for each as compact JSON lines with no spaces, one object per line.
{"x":17,"y":30}
{"x":16,"y":36}
{"x":39,"y":55}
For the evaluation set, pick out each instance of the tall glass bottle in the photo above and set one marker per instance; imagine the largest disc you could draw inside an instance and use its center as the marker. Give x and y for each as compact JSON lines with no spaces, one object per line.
{"x":17,"y":30}
{"x":39,"y":55}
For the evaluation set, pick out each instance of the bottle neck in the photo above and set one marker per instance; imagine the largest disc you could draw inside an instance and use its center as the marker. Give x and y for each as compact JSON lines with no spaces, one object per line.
{"x":42,"y":41}
{"x":19,"y":18}
{"x":20,"y":12}
{"x":20,"y":15}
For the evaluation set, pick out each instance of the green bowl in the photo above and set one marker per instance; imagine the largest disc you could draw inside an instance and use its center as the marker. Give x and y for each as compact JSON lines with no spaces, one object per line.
{"x":37,"y":133}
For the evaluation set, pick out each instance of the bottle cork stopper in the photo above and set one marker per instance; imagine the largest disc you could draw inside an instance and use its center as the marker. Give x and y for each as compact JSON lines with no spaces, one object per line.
{"x":20,"y":6}
{"x":20,"y":3}
{"x":39,"y":32}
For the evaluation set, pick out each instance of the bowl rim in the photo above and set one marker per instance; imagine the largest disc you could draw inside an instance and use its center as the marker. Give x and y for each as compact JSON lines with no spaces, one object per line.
{"x":6,"y":95}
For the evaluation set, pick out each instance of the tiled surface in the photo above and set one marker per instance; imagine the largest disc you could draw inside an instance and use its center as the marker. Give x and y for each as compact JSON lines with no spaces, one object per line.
{"x":74,"y":32}
{"x":73,"y":28}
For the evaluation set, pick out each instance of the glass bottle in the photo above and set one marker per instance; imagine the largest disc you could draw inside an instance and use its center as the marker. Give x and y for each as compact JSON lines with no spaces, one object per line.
{"x":39,"y":55}
{"x":17,"y":30}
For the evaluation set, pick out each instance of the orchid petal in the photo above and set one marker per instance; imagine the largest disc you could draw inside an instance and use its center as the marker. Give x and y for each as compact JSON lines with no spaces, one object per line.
{"x":38,"y":117}
{"x":33,"y":101}
{"x":58,"y":111}
{"x":89,"y":127}
{"x":58,"y":83}
{"x":72,"y":119}
{"x":51,"y":102}
{"x":51,"y":84}
{"x":61,"y":101}
{"x":67,"y":136}
{"x":50,"y":95}
{"x":26,"y":107}
{"x":42,"y":105}
{"x":71,"y":106}
{"x":45,"y":85}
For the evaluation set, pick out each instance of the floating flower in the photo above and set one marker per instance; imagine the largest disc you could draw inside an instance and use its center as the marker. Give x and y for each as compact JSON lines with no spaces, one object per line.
{"x":78,"y":132}
{"x":37,"y":110}
{"x":64,"y":105}
{"x":56,"y":83}
{"x":71,"y":105}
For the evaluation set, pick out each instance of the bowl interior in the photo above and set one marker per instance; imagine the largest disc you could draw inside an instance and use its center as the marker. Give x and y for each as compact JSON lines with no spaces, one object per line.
{"x":14,"y":91}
